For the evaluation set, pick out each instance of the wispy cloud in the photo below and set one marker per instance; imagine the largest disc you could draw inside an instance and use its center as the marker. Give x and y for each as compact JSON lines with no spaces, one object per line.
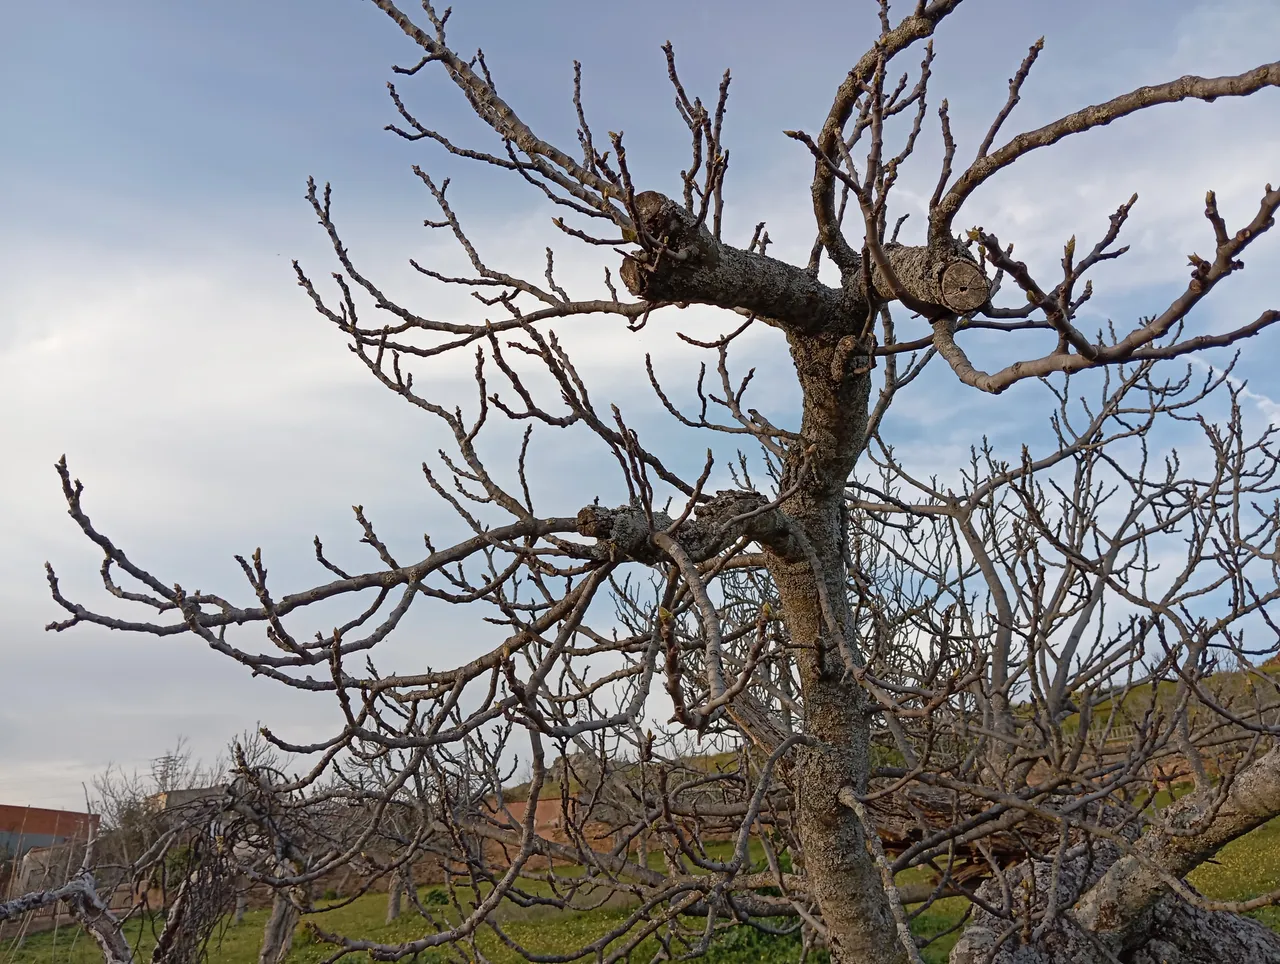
{"x":1266,"y":405}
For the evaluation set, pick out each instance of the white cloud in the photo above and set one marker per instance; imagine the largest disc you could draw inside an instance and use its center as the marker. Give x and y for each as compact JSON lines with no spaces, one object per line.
{"x":1266,"y":405}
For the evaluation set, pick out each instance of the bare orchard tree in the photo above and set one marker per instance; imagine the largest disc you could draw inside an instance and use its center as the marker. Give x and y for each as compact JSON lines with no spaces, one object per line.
{"x":165,"y":864}
{"x":81,"y":895}
{"x":374,"y":815}
{"x":981,"y":674}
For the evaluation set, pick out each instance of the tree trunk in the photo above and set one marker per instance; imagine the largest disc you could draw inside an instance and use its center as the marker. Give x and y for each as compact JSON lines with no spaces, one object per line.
{"x":242,"y":904}
{"x":838,"y":867}
{"x":1180,"y":935}
{"x":277,"y":937}
{"x":394,"y":892}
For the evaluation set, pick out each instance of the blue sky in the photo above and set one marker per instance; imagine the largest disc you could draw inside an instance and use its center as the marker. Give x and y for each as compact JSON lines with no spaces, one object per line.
{"x":151,"y":198}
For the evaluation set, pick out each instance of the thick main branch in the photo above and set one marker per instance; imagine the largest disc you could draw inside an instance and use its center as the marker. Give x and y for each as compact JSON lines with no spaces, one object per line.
{"x":689,"y":265}
{"x":1116,"y":907}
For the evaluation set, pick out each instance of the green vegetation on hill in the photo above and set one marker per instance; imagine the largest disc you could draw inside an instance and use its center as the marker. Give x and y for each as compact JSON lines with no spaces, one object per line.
{"x":1235,"y":689}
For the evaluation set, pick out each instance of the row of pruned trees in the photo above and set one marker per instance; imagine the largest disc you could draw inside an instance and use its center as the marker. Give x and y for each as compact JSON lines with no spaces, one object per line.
{"x":187,"y":848}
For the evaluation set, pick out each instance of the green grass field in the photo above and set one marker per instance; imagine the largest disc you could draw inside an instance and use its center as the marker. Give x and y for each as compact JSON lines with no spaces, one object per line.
{"x":1245,"y":868}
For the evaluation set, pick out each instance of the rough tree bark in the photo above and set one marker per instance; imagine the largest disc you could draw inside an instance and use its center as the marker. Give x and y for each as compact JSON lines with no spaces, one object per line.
{"x":1127,"y":910}
{"x":836,"y":859}
{"x":1169,"y":931}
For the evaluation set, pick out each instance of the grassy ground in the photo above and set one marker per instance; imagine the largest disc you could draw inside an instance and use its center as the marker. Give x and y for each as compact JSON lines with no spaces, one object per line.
{"x":1245,"y":868}
{"x":547,"y":933}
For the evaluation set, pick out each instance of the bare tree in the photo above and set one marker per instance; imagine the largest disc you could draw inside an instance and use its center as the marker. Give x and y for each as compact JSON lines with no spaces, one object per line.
{"x":80,"y":896}
{"x":155,"y":855}
{"x":984,"y":673}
